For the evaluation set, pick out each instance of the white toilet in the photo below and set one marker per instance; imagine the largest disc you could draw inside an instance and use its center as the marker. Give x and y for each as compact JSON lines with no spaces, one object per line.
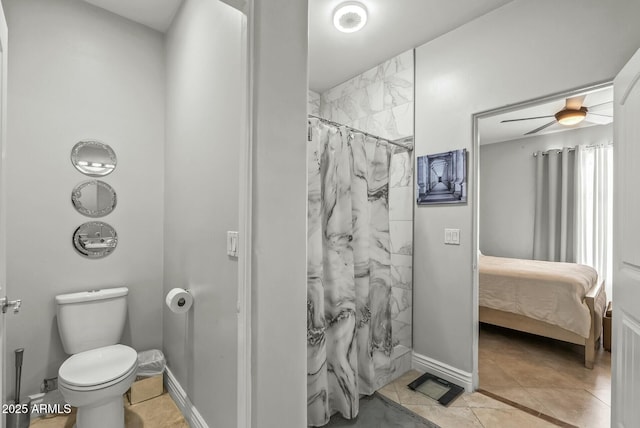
{"x":99,"y":370}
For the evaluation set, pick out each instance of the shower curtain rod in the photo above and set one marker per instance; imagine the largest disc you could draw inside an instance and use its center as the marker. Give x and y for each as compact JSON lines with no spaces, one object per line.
{"x":571,"y":149}
{"x":399,"y":142}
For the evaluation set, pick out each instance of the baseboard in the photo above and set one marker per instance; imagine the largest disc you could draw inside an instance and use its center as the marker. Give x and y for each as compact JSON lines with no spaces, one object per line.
{"x":191,"y":414}
{"x":445,"y":371}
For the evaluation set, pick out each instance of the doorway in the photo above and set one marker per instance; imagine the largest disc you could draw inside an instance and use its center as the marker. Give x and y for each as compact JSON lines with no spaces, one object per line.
{"x":529,"y":200}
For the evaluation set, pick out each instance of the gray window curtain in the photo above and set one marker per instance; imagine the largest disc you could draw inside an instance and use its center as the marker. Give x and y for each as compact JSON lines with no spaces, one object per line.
{"x":553,"y":238}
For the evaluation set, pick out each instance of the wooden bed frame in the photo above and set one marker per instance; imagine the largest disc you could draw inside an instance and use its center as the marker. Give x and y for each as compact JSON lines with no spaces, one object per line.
{"x":541,"y":328}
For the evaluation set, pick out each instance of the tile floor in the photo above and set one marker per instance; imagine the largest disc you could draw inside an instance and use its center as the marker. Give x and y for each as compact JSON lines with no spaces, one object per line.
{"x":159,"y":412}
{"x":546,"y":375}
{"x":469,"y":410}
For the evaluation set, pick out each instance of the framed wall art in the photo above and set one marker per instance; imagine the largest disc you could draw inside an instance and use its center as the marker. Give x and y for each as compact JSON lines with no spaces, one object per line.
{"x":442,"y":178}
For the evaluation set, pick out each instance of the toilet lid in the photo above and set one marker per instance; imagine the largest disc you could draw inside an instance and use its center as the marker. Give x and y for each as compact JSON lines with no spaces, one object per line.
{"x":98,"y":365}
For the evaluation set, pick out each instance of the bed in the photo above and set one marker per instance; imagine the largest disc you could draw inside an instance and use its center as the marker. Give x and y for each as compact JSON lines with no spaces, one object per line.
{"x":563,"y":301}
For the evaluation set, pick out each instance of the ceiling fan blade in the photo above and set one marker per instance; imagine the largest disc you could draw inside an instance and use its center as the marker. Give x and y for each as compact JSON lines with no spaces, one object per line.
{"x":599,"y":119}
{"x":541,"y":128}
{"x":574,"y":103}
{"x":526,"y":118}
{"x":599,"y":106}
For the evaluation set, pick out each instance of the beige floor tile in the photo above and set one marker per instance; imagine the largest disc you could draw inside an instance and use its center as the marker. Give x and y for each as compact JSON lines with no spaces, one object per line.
{"x":603,"y":395}
{"x":534,"y":374}
{"x":480,"y":400}
{"x":54,"y":422}
{"x":491,"y":374}
{"x":159,"y":412}
{"x":521,"y":396}
{"x":447,"y":417}
{"x":574,"y":406}
{"x":541,"y":368}
{"x":390,"y":392}
{"x":509,"y":418}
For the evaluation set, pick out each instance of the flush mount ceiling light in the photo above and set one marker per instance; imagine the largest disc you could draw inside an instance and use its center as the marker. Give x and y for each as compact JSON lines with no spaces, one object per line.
{"x":350,"y":17}
{"x":571,"y":117}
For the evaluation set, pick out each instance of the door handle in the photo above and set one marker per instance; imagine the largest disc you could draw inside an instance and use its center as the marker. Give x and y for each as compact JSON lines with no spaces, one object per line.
{"x":6,"y":303}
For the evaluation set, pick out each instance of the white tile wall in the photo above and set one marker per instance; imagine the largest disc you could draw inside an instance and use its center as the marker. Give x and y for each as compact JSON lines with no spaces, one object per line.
{"x":380,"y":102}
{"x":313,"y":106}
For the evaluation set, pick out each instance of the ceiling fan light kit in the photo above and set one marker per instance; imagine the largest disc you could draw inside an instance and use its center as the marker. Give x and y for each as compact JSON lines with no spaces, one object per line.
{"x":350,"y":17}
{"x":570,"y":117}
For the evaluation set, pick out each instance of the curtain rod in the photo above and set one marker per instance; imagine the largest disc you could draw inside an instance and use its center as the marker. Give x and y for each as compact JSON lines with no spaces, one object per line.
{"x":572,"y":149}
{"x":399,"y":142}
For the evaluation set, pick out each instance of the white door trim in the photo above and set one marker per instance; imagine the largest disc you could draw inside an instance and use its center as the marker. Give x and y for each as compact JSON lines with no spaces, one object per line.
{"x":4,"y":39}
{"x":244,"y":224}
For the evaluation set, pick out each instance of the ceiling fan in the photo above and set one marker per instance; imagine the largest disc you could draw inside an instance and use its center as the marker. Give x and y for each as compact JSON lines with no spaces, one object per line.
{"x":572,"y":114}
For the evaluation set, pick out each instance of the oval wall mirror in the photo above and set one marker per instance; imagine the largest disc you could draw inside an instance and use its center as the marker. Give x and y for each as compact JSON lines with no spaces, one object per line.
{"x":95,"y":239}
{"x":93,"y":158}
{"x":94,"y":198}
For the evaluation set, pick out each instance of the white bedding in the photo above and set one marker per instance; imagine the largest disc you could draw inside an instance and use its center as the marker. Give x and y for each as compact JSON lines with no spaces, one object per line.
{"x":552,"y":292}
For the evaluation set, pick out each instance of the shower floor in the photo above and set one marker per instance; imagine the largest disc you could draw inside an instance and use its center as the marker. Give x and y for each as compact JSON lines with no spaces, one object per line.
{"x":159,"y":412}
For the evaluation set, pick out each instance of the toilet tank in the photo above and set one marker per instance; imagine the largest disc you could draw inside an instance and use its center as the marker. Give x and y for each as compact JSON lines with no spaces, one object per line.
{"x":91,"y":319}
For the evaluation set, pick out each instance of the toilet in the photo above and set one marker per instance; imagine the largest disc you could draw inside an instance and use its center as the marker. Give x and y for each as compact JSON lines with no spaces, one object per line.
{"x":99,"y":370}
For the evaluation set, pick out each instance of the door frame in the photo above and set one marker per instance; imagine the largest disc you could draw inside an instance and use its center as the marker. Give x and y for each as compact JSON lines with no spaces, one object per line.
{"x":244,"y":374}
{"x":4,"y":40}
{"x":475,"y":196}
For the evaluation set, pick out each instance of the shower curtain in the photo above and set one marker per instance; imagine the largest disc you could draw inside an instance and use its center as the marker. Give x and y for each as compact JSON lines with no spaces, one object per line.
{"x":348,"y":269}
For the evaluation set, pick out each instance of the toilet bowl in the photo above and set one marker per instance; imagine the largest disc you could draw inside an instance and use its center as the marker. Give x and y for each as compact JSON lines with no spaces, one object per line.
{"x":94,"y":382}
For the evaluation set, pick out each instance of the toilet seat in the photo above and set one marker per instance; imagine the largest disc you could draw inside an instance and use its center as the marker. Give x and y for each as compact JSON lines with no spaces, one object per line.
{"x":98,"y":368}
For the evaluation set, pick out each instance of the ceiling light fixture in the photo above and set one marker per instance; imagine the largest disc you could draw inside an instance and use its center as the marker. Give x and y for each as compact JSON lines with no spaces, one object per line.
{"x":571,"y":117}
{"x":350,"y":17}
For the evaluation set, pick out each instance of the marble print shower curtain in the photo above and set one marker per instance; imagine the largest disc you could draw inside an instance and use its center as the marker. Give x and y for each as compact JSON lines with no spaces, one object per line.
{"x":348,"y":269}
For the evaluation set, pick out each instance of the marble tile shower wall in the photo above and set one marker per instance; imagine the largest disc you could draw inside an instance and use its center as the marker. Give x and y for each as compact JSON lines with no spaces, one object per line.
{"x":380,"y":101}
{"x":401,"y":236}
{"x":313,"y":103}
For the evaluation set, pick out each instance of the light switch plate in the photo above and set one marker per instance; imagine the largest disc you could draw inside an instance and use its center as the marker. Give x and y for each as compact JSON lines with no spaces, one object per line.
{"x":452,"y":236}
{"x":232,"y":243}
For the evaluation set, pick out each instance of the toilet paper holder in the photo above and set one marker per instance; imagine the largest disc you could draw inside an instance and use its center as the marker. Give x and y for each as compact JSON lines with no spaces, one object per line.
{"x":179,"y":300}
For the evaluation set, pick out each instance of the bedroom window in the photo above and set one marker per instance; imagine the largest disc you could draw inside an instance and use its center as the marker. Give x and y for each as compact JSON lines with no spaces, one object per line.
{"x":593,"y":194}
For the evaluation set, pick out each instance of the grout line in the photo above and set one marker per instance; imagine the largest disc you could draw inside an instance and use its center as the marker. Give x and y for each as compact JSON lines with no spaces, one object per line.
{"x":526,"y":409}
{"x":598,"y":398}
{"x":473,"y":410}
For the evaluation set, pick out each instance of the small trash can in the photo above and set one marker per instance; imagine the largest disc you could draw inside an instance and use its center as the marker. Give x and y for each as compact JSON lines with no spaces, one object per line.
{"x":606,"y":328}
{"x":148,"y":384}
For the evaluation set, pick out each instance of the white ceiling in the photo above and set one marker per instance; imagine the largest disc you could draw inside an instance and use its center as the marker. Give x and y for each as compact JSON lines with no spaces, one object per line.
{"x":156,"y":14}
{"x":493,"y":131}
{"x":394,"y":26}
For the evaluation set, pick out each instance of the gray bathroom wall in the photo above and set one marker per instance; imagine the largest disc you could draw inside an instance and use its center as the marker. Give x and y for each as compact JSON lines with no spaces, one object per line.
{"x":205,"y":98}
{"x":79,"y":72}
{"x":279,"y":227}
{"x":506,"y":56}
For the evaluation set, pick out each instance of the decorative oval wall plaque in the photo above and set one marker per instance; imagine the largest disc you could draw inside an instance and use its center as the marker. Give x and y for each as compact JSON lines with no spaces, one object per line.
{"x":95,"y":239}
{"x":93,"y":158}
{"x":94,"y":198}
